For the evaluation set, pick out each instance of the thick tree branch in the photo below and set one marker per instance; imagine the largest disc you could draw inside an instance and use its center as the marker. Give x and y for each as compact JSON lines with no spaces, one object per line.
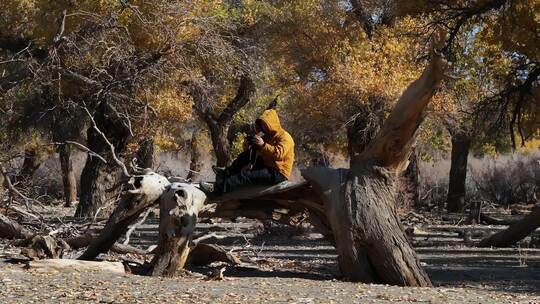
{"x":244,"y":94}
{"x":391,"y":147}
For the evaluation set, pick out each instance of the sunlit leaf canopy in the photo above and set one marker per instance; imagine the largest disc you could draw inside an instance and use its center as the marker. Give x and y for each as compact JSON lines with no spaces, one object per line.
{"x":497,"y":49}
{"x":321,"y":57}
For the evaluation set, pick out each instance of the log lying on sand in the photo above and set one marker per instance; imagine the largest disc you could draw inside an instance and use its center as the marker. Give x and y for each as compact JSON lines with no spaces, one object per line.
{"x":67,"y":265}
{"x":515,"y":233}
{"x":10,"y":229}
{"x":85,"y":240}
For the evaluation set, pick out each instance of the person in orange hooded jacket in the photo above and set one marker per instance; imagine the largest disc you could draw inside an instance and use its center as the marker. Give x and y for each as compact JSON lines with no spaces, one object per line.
{"x":268,"y":159}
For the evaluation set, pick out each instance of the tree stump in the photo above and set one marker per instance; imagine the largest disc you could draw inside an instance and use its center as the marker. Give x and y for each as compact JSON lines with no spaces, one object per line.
{"x":179,"y":209}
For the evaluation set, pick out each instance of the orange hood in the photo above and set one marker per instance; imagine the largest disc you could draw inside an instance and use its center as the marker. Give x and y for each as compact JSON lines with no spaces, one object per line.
{"x":271,"y":119}
{"x":278,"y":150}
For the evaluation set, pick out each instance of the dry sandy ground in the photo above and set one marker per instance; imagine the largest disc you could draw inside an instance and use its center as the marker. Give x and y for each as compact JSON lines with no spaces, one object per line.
{"x":289,"y":270}
{"x":23,"y":286}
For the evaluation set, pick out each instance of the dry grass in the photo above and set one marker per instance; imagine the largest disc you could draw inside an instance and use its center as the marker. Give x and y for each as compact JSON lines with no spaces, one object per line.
{"x":504,"y":180}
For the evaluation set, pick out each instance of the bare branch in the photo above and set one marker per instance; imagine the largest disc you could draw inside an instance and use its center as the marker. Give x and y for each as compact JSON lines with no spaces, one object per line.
{"x":82,"y":148}
{"x":58,"y":38}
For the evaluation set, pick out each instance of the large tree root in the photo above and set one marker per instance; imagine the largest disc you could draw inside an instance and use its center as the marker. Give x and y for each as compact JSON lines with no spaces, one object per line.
{"x":205,"y":254}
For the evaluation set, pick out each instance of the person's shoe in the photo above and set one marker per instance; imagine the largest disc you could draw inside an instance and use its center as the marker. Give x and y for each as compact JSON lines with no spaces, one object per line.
{"x":206,"y":187}
{"x":221,"y":173}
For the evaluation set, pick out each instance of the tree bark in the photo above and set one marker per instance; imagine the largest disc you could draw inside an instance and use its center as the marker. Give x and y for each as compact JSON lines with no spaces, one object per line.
{"x":98,"y":178}
{"x":10,"y":229}
{"x":458,"y":172}
{"x":145,"y":153}
{"x":206,"y":254}
{"x":515,"y":232}
{"x":475,"y":213}
{"x":32,"y":160}
{"x":179,"y":209}
{"x":409,"y":184}
{"x":195,"y":165}
{"x":218,"y":134}
{"x":2,"y":181}
{"x":68,"y":176}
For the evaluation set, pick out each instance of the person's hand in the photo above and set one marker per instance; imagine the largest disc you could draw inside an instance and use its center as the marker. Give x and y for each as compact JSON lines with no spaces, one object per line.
{"x":257,"y":141}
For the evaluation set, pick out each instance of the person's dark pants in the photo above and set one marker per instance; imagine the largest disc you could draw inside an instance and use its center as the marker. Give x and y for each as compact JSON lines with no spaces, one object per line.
{"x":259,"y":174}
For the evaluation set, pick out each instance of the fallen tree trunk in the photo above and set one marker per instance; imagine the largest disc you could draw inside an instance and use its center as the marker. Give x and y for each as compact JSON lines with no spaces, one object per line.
{"x":66,"y":265}
{"x":490,"y":220}
{"x":287,"y":203}
{"x":179,"y":209}
{"x":10,"y":229}
{"x":515,"y":233}
{"x":85,"y":240}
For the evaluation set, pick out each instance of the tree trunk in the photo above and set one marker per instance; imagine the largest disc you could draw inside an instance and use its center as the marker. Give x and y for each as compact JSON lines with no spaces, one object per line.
{"x":97,"y":178}
{"x":475,"y":213}
{"x":218,"y":134}
{"x":2,"y":181}
{"x":145,"y":153}
{"x":179,"y":209}
{"x":68,"y":176}
{"x":371,"y":243}
{"x":32,"y":160}
{"x":515,"y":233}
{"x":458,"y":173}
{"x":195,"y":166}
{"x":219,"y":125}
{"x":388,"y":256}
{"x":408,"y":194}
